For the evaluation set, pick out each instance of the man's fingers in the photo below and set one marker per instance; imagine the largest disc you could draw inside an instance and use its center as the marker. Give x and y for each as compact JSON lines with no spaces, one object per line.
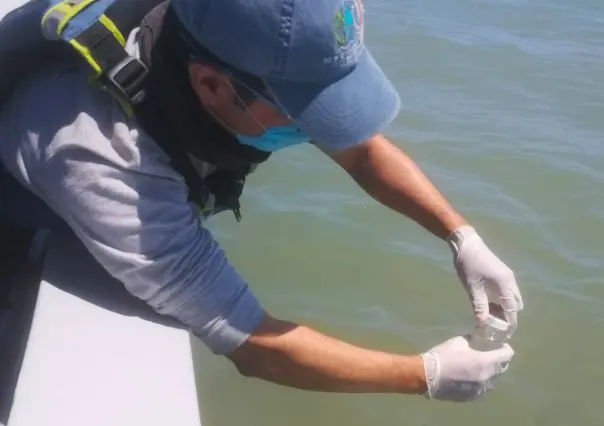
{"x":501,"y":358}
{"x":502,"y":355}
{"x":512,"y":318}
{"x":510,"y":296}
{"x":519,"y":301}
{"x":509,"y":304}
{"x":480,"y":303}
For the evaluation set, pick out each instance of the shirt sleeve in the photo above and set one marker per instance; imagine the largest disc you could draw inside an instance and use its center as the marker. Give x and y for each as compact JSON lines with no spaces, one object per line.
{"x":114,"y":188}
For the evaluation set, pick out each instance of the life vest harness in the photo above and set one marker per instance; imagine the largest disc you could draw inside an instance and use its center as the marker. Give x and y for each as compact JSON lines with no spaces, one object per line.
{"x":84,"y":25}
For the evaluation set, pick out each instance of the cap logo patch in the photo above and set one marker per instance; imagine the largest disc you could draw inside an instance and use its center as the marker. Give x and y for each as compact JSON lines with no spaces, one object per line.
{"x":348,"y":23}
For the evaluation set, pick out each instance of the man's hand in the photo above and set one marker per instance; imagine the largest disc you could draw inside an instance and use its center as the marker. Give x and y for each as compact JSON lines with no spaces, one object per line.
{"x":455,"y":372}
{"x":485,"y":277}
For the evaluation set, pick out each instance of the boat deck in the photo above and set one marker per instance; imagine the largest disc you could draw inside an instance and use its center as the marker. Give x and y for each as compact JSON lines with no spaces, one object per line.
{"x":95,"y":355}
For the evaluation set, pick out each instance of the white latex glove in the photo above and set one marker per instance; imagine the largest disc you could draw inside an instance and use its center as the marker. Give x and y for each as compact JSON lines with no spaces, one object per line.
{"x":485,"y":277}
{"x":455,"y":372}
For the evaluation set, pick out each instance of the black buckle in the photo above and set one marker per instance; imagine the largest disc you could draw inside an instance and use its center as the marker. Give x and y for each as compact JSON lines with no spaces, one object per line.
{"x":128,"y":76}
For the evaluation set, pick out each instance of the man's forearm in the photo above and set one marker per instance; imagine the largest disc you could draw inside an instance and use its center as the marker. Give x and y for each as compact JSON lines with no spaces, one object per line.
{"x":393,"y":179}
{"x":296,"y":356}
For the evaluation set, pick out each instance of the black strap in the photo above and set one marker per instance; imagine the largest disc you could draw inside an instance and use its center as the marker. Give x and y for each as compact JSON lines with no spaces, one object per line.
{"x":122,"y":71}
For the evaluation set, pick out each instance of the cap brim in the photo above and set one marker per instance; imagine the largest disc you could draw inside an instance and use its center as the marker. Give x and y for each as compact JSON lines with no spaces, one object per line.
{"x":343,"y":113}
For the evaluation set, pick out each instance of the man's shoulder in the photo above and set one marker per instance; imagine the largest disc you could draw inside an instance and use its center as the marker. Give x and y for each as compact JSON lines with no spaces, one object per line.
{"x":56,"y":100}
{"x":58,"y":94}
{"x":61,"y":115}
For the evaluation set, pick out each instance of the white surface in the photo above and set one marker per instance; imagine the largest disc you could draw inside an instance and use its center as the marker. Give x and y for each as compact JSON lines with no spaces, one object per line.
{"x":92,"y":360}
{"x":8,"y":5}
{"x":88,"y":366}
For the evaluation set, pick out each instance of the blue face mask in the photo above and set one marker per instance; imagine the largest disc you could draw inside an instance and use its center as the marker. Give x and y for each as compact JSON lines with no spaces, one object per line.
{"x":275,"y":138}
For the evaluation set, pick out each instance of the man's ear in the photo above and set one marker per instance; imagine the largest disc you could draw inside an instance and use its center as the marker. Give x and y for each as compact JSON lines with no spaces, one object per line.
{"x":210,"y":86}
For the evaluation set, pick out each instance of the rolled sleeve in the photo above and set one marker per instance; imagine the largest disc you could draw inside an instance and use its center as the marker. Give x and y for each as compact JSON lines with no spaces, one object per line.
{"x":142,"y":230}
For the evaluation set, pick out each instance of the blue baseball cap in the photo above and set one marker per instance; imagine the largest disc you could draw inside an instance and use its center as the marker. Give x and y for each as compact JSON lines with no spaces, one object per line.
{"x":310,"y":55}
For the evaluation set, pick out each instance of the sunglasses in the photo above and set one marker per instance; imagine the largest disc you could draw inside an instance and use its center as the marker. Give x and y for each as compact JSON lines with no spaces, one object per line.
{"x":254,"y":85}
{"x":263,"y":94}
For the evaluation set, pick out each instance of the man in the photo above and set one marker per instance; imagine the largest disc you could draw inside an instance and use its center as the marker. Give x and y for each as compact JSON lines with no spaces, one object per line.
{"x":229,"y":82}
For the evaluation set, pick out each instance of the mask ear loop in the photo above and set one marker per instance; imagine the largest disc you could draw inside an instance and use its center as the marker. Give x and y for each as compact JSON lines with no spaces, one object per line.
{"x":263,"y":98}
{"x":246,"y":107}
{"x":278,"y":104}
{"x":276,"y":101}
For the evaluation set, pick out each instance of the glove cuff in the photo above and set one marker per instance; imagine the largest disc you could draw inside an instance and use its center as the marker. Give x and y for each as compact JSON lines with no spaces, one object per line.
{"x":432,"y":372}
{"x":456,"y":238}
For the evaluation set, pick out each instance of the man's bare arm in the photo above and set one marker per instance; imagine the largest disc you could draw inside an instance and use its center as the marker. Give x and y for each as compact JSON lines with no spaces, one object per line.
{"x":392,"y":178}
{"x":293,"y":355}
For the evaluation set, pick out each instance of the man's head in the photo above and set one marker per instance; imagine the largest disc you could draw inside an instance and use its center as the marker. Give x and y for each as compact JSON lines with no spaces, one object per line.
{"x":280,"y":62}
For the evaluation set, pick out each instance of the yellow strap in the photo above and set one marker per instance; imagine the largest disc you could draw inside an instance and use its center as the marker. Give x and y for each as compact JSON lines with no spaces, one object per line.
{"x":108,"y":23}
{"x":66,"y":10}
{"x":59,"y":9}
{"x":73,"y":10}
{"x":83,"y":50}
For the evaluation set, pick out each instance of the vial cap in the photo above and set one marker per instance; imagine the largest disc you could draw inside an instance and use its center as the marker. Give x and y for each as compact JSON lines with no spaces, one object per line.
{"x":497,"y":323}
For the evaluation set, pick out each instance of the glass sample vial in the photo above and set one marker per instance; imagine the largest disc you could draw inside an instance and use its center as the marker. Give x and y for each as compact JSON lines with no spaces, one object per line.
{"x":491,"y":334}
